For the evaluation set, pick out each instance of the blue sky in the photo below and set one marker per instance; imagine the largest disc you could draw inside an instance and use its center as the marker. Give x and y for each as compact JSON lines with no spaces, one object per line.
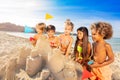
{"x":81,"y":12}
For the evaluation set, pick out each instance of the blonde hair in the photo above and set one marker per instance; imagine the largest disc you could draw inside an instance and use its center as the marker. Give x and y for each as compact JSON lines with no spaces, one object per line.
{"x":103,"y":28}
{"x":69,"y":23}
{"x":41,"y":26}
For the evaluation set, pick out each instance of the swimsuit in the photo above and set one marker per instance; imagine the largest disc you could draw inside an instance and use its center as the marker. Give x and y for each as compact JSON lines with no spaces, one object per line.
{"x":79,"y":49}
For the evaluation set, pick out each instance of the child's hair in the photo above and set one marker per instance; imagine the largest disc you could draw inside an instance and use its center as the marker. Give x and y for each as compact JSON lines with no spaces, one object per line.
{"x":68,"y":22}
{"x":103,"y":28}
{"x":85,"y":42}
{"x":50,"y":27}
{"x":41,"y":26}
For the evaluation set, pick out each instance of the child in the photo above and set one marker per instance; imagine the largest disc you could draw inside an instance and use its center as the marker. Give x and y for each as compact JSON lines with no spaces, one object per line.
{"x":82,"y":47}
{"x":65,"y":39}
{"x":102,"y":51}
{"x":40,"y":28}
{"x":53,"y":40}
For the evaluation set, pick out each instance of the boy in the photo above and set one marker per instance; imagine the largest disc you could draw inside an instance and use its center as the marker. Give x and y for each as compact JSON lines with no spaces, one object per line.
{"x":53,"y":40}
{"x":102,"y":51}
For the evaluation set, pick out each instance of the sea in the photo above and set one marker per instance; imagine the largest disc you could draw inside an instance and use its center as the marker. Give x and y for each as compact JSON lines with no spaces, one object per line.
{"x":114,"y":42}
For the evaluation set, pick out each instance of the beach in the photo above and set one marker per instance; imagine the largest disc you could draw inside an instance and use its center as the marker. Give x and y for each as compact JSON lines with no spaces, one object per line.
{"x":10,"y":45}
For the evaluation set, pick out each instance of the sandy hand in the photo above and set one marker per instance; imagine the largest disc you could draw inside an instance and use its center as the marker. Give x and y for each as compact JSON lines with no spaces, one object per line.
{"x":52,"y":44}
{"x":31,"y":39}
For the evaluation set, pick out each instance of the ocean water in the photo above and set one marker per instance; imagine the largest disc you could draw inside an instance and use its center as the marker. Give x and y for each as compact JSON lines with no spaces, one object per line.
{"x":114,"y":42}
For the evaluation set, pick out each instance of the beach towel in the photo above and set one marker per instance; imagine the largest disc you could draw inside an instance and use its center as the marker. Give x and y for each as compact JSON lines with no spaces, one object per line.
{"x":102,"y":73}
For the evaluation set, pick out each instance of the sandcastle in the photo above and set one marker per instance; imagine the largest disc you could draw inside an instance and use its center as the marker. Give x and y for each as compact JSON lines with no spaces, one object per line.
{"x":39,"y":63}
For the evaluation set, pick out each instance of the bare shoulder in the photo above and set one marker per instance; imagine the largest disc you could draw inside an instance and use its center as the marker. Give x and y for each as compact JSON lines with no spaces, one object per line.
{"x":109,"y":49}
{"x":35,"y":36}
{"x":107,"y":45}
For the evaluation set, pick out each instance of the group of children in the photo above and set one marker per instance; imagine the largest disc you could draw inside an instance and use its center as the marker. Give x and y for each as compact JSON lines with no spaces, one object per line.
{"x":63,"y":41}
{"x":94,"y":57}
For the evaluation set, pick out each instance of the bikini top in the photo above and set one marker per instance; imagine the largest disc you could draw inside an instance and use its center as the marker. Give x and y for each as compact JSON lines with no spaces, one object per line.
{"x":79,"y":49}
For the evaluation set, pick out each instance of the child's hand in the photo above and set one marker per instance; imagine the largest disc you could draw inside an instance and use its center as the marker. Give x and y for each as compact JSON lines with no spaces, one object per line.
{"x":52,"y":44}
{"x":31,"y":39}
{"x":94,"y":65}
{"x":78,"y":60}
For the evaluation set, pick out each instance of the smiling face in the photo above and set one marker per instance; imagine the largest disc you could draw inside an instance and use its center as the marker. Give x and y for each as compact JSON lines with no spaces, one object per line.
{"x":95,"y":35}
{"x":80,"y":34}
{"x":50,"y":33}
{"x":68,"y":29}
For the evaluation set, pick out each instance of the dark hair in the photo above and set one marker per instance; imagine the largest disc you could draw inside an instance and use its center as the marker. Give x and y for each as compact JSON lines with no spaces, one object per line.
{"x":50,"y":27}
{"x":84,"y":43}
{"x":104,"y":29}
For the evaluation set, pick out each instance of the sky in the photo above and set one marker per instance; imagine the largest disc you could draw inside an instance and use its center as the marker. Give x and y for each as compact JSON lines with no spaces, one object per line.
{"x":80,"y":12}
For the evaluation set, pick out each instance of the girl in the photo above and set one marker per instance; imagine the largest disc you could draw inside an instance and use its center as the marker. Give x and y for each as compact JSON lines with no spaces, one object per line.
{"x":53,"y":40}
{"x":102,"y":51}
{"x":82,"y":51}
{"x":65,"y":39}
{"x":82,"y":47}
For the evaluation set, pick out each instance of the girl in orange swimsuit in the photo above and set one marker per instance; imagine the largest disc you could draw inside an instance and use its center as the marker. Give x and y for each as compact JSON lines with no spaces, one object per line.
{"x":65,"y":39}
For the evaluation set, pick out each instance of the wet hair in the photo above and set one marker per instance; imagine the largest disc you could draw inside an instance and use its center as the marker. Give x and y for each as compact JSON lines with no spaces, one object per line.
{"x":103,"y":28}
{"x":84,"y":43}
{"x":69,"y":23}
{"x":50,"y":27}
{"x":41,"y":26}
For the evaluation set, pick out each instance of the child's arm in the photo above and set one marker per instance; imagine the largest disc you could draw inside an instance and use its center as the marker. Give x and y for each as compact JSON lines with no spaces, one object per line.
{"x":109,"y":60}
{"x":109,"y":54}
{"x":33,"y":41}
{"x":89,"y":50}
{"x":69,"y":47}
{"x":57,"y":42}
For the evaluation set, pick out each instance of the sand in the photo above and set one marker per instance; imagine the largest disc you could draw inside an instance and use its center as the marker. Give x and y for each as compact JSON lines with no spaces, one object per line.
{"x":12,"y":46}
